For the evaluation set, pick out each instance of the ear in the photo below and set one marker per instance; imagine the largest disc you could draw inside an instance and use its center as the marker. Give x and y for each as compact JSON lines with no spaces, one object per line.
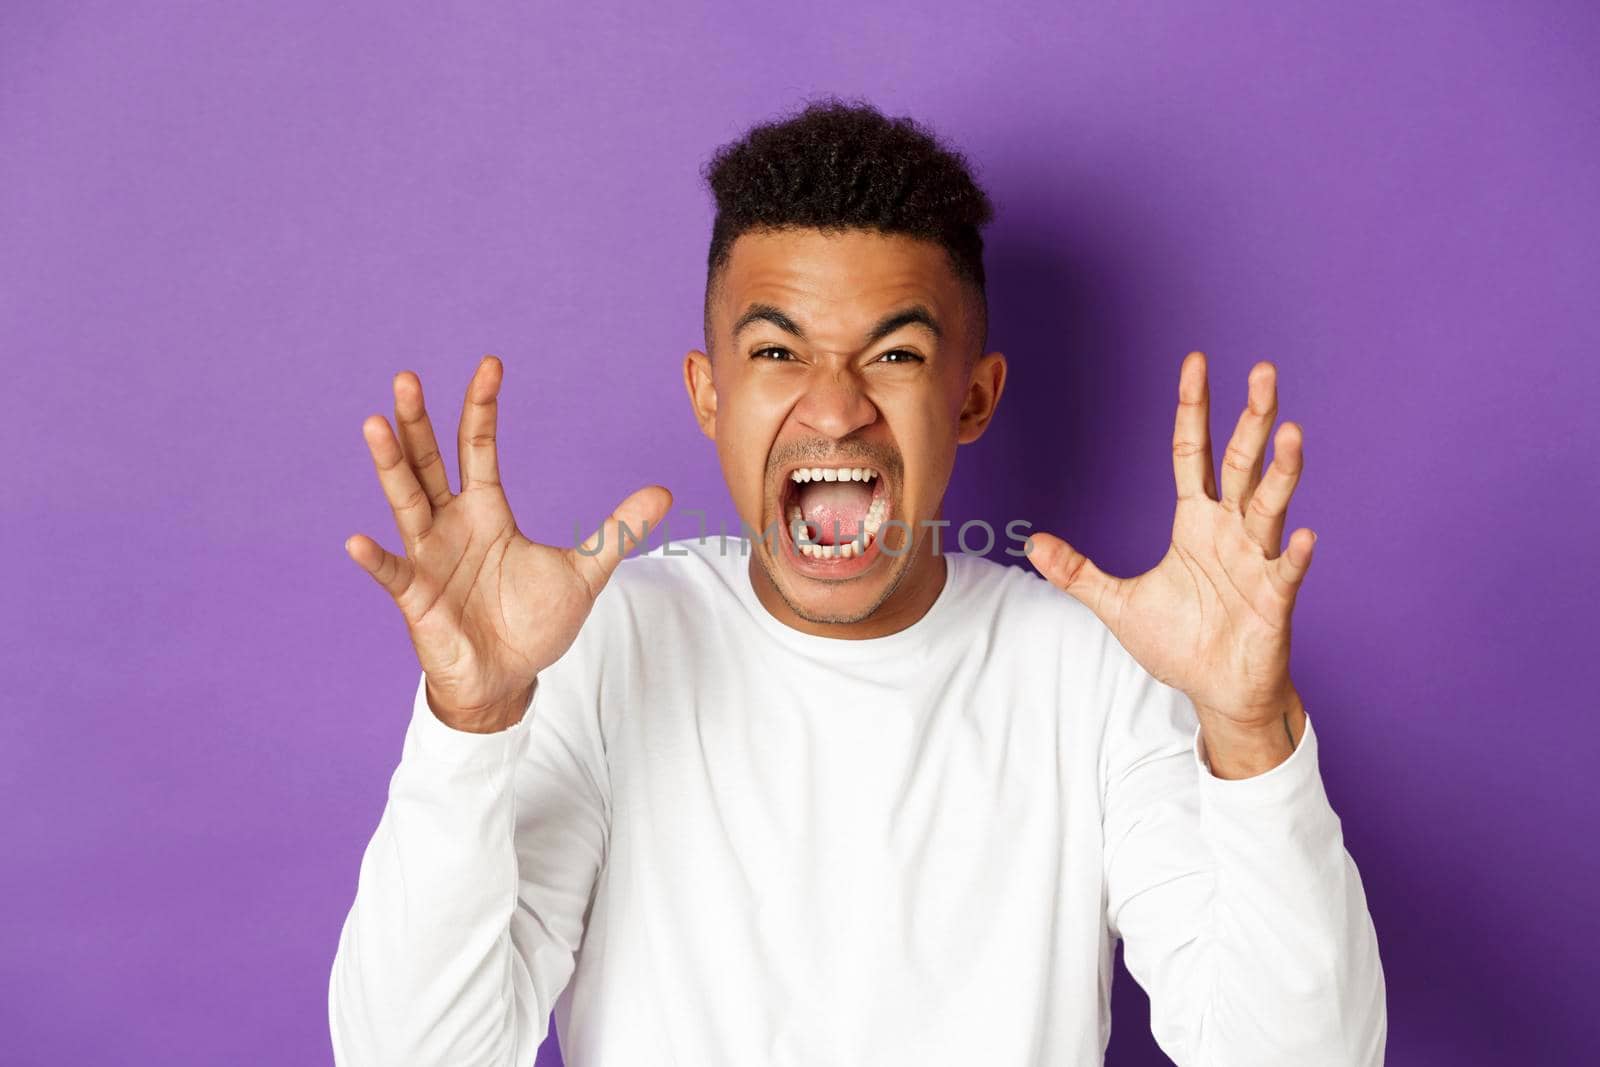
{"x":987,"y":382}
{"x":702,"y":391}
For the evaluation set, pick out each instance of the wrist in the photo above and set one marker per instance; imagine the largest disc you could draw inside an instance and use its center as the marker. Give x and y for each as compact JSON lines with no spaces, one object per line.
{"x":488,"y":718}
{"x":1242,"y":749}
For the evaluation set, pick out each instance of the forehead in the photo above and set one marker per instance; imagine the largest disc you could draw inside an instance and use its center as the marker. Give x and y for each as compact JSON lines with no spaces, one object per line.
{"x":838,"y":284}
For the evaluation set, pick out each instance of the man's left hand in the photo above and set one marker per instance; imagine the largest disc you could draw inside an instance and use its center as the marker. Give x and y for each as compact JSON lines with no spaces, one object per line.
{"x":1212,"y":618}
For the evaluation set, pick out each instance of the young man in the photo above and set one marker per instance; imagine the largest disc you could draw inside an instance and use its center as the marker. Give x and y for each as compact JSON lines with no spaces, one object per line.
{"x":831,"y":795}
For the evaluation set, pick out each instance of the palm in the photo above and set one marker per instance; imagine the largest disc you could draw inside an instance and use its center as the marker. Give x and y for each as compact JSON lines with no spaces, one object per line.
{"x":1212,"y":617}
{"x":487,"y":608}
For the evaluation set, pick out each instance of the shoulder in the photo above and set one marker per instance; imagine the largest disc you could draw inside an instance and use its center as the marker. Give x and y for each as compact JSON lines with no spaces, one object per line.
{"x":654,"y":603}
{"x":677,"y":579}
{"x":1016,"y":594}
{"x":1113,"y":704}
{"x":1030,"y":616}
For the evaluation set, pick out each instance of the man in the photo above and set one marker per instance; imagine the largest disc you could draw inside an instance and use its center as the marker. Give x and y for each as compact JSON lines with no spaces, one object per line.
{"x":830,"y":794}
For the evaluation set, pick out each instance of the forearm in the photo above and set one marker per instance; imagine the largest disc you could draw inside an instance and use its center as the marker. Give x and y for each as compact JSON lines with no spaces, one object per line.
{"x":424,"y":971}
{"x":1294,"y":969}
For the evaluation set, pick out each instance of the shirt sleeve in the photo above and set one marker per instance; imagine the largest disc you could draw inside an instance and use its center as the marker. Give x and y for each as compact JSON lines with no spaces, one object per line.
{"x":1241,"y":913}
{"x":474,"y":890}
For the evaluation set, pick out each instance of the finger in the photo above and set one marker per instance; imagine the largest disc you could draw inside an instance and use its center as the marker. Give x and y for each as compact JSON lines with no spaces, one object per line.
{"x":1241,"y":460}
{"x":417,"y":440}
{"x":391,"y":571}
{"x":475,"y":447}
{"x":1290,"y":568}
{"x":412,"y":512}
{"x":598,"y":556}
{"x":1191,"y":431}
{"x":1268,"y":506}
{"x":1071,"y":571}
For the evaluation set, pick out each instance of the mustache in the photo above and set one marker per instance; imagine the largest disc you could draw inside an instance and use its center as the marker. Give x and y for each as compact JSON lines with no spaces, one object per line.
{"x":820,"y":453}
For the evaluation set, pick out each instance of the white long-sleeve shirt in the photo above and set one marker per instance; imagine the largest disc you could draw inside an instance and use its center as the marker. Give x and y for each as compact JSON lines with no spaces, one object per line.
{"x":716,"y":840}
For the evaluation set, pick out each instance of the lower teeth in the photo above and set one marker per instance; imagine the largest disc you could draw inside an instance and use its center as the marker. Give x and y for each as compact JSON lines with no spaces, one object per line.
{"x":846,"y":550}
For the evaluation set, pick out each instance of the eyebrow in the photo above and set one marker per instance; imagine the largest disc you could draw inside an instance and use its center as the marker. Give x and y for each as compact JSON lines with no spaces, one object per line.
{"x":916,"y":314}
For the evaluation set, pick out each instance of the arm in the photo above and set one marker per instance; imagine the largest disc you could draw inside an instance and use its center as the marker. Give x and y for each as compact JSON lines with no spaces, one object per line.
{"x":472,"y":894}
{"x":1241,"y":913}
{"x":1226,"y":873}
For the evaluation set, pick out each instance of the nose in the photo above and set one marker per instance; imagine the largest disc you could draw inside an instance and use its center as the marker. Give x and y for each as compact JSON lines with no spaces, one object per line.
{"x":834,"y":405}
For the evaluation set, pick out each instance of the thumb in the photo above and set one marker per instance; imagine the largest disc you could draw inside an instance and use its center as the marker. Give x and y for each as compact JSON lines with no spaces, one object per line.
{"x":1069,"y":570}
{"x":627,"y":528}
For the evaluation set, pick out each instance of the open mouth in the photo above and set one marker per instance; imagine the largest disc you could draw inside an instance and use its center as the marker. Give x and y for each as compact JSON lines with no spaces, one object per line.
{"x":833,"y":513}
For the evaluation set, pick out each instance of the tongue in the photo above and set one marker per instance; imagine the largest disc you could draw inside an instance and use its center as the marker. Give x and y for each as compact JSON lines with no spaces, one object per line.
{"x":825,"y":504}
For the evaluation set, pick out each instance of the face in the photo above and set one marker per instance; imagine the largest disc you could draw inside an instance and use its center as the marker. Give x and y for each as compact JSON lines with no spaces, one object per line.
{"x":844,"y":374}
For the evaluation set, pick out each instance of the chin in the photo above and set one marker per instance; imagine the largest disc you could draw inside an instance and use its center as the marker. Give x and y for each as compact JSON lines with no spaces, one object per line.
{"x":836,"y":602}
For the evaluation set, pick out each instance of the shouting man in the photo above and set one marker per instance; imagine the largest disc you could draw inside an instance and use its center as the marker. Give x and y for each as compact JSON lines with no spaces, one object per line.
{"x":828,"y":794}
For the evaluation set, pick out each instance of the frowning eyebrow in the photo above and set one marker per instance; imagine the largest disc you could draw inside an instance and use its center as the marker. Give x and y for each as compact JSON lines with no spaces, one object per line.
{"x":916,"y":314}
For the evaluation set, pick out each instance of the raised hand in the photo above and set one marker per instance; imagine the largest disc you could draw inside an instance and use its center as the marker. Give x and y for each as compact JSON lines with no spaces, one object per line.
{"x":487,"y":608}
{"x":1212,"y":618}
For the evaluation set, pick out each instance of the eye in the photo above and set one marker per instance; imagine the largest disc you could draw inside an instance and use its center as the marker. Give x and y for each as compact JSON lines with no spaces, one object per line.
{"x":782,"y":355}
{"x":905,"y":357}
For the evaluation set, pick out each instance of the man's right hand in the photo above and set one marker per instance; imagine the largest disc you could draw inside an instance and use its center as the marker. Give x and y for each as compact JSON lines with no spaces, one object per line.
{"x":487,"y":608}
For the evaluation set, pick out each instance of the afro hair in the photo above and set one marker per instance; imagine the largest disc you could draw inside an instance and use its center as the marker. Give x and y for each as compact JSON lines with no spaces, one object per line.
{"x":838,"y":165}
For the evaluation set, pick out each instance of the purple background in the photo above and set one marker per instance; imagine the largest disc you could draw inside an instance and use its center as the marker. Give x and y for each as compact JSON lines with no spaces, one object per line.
{"x":224,"y":227}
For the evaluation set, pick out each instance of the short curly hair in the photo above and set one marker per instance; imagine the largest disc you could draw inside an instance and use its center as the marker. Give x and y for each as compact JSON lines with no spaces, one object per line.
{"x":838,"y":165}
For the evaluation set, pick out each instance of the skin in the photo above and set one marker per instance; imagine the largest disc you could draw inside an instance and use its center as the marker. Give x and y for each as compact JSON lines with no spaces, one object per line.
{"x":902,"y":404}
{"x":487,"y":609}
{"x":1212,"y":618}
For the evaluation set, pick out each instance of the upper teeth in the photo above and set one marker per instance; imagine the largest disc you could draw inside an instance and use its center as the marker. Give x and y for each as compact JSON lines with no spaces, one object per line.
{"x":834,"y":474}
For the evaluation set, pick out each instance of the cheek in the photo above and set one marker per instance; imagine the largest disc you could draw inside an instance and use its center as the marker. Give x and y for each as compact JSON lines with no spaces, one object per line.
{"x":749,"y":416}
{"x":924,"y":432}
